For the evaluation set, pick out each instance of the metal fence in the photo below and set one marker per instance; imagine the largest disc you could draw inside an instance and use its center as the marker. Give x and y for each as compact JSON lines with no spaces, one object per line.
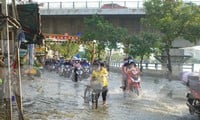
{"x":99,"y":4}
{"x":158,"y":66}
{"x":93,"y":5}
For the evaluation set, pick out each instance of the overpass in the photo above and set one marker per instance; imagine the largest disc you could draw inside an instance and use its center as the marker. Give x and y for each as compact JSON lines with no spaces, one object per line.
{"x":68,"y":17}
{"x":90,"y":8}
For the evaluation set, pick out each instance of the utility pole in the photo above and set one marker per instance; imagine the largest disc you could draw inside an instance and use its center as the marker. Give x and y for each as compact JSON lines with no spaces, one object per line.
{"x":5,"y":38}
{"x":18,"y":89}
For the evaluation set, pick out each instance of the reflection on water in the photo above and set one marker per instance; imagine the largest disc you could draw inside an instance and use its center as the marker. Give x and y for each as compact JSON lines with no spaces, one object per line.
{"x":55,"y":98}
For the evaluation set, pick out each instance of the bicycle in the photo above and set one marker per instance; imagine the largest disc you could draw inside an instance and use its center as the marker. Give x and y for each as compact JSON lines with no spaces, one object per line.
{"x":91,"y":94}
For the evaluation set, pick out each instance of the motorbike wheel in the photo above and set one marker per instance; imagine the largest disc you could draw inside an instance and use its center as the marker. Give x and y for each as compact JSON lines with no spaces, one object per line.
{"x":137,"y":91}
{"x":191,"y":111}
{"x":68,"y":75}
{"x":79,"y":78}
{"x":125,"y":85}
{"x":65,"y":74}
{"x":76,"y":79}
{"x":60,"y":74}
{"x":72,"y":77}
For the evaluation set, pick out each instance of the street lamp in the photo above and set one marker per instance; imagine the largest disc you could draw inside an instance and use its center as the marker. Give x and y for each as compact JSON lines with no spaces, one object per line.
{"x":93,"y":51}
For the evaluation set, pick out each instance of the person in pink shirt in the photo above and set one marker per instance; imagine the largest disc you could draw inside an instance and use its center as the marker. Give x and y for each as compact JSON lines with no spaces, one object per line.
{"x":133,"y":74}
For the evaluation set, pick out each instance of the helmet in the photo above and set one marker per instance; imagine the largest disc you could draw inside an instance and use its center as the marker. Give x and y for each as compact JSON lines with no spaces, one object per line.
{"x":76,"y":58}
{"x":96,"y":64}
{"x":132,"y":62}
{"x":102,"y":64}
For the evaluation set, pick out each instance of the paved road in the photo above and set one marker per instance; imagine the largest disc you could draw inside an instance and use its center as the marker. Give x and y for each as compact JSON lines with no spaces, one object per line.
{"x":52,"y":97}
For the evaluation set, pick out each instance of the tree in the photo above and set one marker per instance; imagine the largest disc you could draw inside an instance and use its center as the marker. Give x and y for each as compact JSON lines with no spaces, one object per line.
{"x":143,"y":45}
{"x":116,"y":35}
{"x":101,"y":30}
{"x":191,"y":27}
{"x":67,"y":49}
{"x":94,"y":29}
{"x":170,"y":19}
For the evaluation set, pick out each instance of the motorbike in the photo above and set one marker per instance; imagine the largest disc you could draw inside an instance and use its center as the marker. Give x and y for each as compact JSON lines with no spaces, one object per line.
{"x":67,"y":71}
{"x":193,"y":97}
{"x":51,"y":67}
{"x":78,"y":73}
{"x":134,"y":85}
{"x":86,"y":72}
{"x":61,"y":70}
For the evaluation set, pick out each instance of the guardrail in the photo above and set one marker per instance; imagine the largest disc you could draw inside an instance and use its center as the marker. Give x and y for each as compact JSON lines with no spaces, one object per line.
{"x":98,"y":4}
{"x":92,"y":5}
{"x":158,"y":66}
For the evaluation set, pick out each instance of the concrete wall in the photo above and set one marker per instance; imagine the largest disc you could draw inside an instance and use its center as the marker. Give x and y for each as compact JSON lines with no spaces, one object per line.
{"x":72,"y":24}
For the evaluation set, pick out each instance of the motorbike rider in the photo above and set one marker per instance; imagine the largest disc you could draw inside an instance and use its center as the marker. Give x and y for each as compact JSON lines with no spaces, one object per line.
{"x":67,"y":62}
{"x":124,"y":69}
{"x":84,"y":63}
{"x":133,"y":73}
{"x":86,"y":68}
{"x":76,"y":66}
{"x":62,"y":60}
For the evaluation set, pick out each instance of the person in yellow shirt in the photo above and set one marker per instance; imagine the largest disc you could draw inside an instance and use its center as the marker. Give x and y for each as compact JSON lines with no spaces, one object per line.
{"x":99,"y":79}
{"x":95,"y":78}
{"x":104,"y":82}
{"x":95,"y":81}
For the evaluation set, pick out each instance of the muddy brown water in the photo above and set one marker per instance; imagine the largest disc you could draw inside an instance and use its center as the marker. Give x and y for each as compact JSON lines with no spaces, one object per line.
{"x":52,"y":97}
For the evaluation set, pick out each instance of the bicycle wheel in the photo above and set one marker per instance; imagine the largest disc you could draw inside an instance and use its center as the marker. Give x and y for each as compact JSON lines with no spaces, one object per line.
{"x":87,"y":94}
{"x":95,"y":99}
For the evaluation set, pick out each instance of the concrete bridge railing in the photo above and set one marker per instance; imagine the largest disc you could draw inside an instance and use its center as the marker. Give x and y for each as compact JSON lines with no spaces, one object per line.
{"x":131,"y":4}
{"x":93,"y":5}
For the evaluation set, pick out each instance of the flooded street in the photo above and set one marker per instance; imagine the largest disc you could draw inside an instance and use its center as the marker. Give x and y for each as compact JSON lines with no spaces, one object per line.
{"x":52,"y":97}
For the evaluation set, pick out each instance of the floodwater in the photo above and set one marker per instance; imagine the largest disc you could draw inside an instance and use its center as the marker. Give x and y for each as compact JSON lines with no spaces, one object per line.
{"x":52,"y":97}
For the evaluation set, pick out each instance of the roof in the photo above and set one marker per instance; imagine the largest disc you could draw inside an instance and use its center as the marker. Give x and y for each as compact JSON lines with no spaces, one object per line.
{"x":112,"y":6}
{"x":29,"y":19}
